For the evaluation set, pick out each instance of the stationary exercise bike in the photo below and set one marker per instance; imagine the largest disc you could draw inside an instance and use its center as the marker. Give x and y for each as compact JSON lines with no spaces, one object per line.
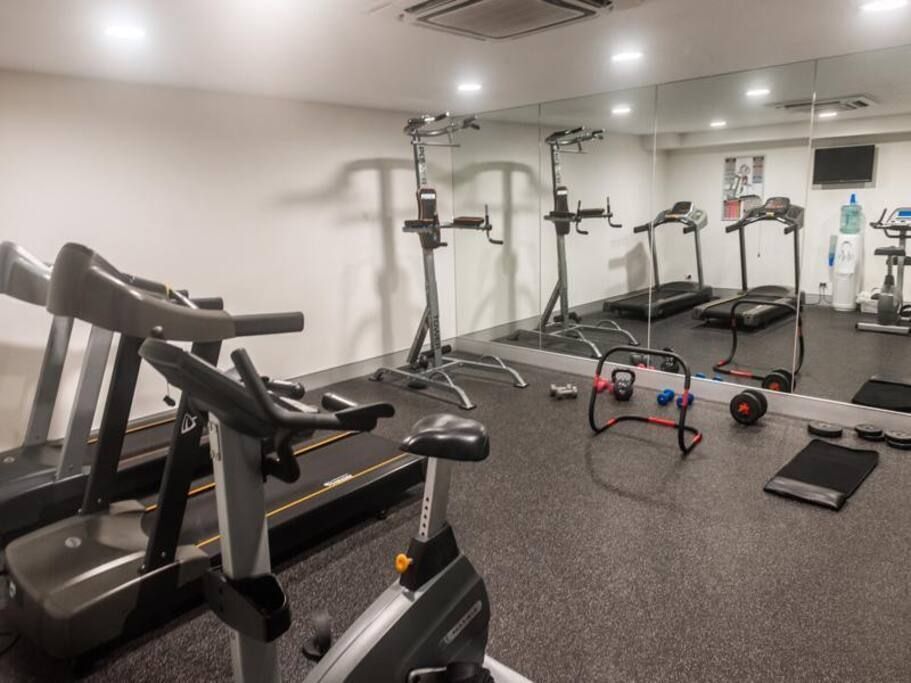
{"x":893,"y":316}
{"x":429,"y":627}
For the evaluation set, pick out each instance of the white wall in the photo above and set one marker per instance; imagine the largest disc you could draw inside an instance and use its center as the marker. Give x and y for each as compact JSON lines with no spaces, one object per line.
{"x":698,"y":176}
{"x":272,"y":204}
{"x":888,"y":191}
{"x":497,"y":166}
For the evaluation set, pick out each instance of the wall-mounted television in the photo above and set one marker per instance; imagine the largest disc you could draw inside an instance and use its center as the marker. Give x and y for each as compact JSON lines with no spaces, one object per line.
{"x":844,"y":165}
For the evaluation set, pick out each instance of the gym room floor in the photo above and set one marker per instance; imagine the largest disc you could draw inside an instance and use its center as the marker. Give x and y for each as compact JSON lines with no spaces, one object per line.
{"x":609,"y":557}
{"x":839,"y":359}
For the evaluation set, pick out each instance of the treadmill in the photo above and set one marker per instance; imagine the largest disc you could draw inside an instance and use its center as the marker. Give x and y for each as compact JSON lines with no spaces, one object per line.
{"x":38,"y":466}
{"x":662,"y":300}
{"x":781,"y":210}
{"x":117,"y":568}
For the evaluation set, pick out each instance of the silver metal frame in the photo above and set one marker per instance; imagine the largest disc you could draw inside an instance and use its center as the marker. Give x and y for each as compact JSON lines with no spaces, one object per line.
{"x":241,"y":503}
{"x":439,"y":365}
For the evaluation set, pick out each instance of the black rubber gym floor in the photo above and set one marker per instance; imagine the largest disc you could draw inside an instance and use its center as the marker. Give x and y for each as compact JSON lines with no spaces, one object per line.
{"x":609,"y":558}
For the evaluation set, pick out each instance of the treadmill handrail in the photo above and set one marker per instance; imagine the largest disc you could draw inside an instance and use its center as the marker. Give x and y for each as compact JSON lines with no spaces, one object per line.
{"x":85,"y":286}
{"x":22,"y":275}
{"x":790,"y":223}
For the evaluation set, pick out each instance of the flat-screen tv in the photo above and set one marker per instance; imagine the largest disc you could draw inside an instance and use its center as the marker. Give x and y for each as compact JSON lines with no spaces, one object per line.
{"x":844,"y":164}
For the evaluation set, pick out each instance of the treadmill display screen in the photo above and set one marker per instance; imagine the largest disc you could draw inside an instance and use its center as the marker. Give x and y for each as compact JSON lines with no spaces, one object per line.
{"x":777,"y":205}
{"x":903,"y":213}
{"x":681,"y":209}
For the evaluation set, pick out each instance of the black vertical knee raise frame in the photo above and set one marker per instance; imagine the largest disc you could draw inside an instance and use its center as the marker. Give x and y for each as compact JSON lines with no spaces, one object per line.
{"x":431,"y":368}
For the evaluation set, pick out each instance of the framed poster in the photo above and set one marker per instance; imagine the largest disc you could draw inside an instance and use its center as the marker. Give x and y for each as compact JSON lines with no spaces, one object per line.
{"x":744,"y":186}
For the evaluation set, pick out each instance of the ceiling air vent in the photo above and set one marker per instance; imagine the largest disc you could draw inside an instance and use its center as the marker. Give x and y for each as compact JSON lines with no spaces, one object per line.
{"x":840,"y":104}
{"x":499,"y":19}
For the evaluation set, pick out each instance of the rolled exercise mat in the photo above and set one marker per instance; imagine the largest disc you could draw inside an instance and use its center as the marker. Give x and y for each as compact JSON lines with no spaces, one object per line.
{"x":823,"y":473}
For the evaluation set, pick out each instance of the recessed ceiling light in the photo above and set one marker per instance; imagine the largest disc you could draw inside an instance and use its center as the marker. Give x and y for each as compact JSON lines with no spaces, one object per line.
{"x":630,"y":56}
{"x":828,"y":114}
{"x":125,"y":32}
{"x":469,"y":87}
{"x":621,"y":110}
{"x":718,"y":124}
{"x":883,"y":5}
{"x":758,"y":92}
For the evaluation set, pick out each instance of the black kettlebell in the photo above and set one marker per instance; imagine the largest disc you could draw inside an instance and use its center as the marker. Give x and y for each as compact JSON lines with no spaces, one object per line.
{"x":670,"y":364}
{"x":622,"y":381}
{"x":779,"y":380}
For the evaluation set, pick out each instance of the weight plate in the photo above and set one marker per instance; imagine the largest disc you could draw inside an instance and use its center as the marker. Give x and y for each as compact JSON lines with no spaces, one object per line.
{"x":900,"y":445}
{"x":899,"y":438}
{"x":746,"y":409}
{"x":825,"y":430}
{"x":869,"y":432}
{"x":761,"y":397}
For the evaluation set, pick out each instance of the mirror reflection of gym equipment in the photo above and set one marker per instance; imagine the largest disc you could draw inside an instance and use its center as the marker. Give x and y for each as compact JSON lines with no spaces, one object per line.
{"x":782,"y":299}
{"x":568,"y":324}
{"x":664,"y":299}
{"x":893,"y":316}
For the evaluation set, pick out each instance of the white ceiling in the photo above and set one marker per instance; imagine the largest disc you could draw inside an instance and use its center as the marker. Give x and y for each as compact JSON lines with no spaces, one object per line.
{"x":335,"y":51}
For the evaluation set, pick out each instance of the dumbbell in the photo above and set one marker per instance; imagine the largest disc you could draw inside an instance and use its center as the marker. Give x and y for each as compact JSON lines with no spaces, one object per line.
{"x":561,"y":392}
{"x":665,"y":397}
{"x":779,"y":380}
{"x":749,"y":406}
{"x":689,"y":400}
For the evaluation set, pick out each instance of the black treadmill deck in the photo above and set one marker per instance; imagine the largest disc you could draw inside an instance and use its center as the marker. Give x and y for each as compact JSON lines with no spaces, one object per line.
{"x":665,"y":300}
{"x":75,"y":602}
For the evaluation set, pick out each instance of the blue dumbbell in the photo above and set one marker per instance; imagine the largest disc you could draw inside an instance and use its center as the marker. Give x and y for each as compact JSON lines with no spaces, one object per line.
{"x":689,"y":400}
{"x":665,"y":397}
{"x":699,"y":375}
{"x":718,"y":378}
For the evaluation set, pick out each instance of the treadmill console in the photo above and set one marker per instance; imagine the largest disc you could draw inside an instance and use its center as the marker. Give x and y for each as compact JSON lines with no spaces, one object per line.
{"x":901,"y":217}
{"x":774,"y":206}
{"x":680,"y":210}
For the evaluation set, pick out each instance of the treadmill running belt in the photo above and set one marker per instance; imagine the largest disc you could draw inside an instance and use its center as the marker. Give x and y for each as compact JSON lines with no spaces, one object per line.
{"x":823,"y":474}
{"x":339,"y":480}
{"x":887,"y":394}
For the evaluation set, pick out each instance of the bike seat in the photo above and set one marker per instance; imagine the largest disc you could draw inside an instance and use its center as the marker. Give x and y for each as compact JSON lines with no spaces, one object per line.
{"x":449,"y":438}
{"x":889,"y":251}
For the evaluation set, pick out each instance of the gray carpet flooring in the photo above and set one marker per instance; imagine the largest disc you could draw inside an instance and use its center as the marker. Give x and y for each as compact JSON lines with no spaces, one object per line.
{"x":609,"y":558}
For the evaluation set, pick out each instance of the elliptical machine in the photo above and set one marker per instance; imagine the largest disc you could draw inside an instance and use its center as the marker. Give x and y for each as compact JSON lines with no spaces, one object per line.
{"x":430,"y":627}
{"x":431,"y":368}
{"x":893,"y":315}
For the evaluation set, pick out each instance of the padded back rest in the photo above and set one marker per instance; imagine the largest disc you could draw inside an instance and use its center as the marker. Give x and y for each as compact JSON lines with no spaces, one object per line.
{"x":427,"y":205}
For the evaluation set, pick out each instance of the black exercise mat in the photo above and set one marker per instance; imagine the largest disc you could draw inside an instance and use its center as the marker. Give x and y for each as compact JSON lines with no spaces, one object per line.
{"x":888,"y":394}
{"x":824,"y":474}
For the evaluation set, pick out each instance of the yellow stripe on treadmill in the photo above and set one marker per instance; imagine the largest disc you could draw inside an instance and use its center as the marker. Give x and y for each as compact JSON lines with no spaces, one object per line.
{"x":311,"y":496}
{"x":306,"y":449}
{"x":139,"y":428}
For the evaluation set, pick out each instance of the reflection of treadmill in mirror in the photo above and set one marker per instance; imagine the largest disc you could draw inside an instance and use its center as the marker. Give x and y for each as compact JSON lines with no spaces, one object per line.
{"x":670,"y":297}
{"x":778,"y":209}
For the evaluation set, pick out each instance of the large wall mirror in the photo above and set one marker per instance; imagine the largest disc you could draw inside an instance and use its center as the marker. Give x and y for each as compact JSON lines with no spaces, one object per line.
{"x":699,"y":212}
{"x":856,"y":327}
{"x":496,"y":168}
{"x":731,"y":157}
{"x":598,"y":168}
